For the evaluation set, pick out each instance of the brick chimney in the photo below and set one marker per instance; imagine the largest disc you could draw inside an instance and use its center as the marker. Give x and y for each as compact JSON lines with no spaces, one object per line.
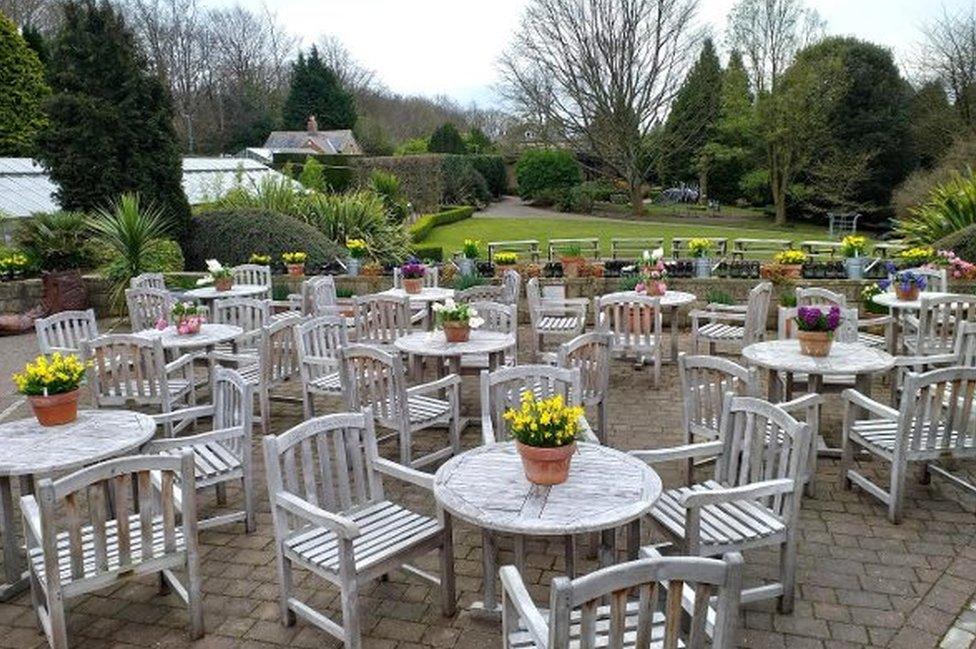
{"x":313,"y":125}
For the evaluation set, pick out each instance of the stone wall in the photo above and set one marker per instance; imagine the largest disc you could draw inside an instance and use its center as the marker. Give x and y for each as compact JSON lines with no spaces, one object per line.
{"x":23,"y":295}
{"x":420,"y":177}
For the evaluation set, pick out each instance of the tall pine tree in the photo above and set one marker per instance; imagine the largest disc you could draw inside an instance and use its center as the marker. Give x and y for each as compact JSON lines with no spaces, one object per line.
{"x":22,"y":93}
{"x":316,"y":90}
{"x":691,"y":121}
{"x":111,"y":119}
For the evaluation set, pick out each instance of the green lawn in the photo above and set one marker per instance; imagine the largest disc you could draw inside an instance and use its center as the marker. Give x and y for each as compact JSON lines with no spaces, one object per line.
{"x":450,"y":237}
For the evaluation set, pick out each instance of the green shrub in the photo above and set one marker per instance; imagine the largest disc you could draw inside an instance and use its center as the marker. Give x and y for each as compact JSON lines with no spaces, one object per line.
{"x":24,"y":91}
{"x":463,"y":184}
{"x":270,"y":194}
{"x":716,"y":296}
{"x":541,"y":169}
{"x":413,"y":146}
{"x":312,"y":175}
{"x":422,"y":227}
{"x":462,"y":282}
{"x":387,"y":186}
{"x":962,"y":242}
{"x":427,"y":252}
{"x":358,"y":215}
{"x":950,"y":207}
{"x":446,"y":139}
{"x":55,"y":241}
{"x":600,"y":190}
{"x":231,"y":235}
{"x":492,"y":169}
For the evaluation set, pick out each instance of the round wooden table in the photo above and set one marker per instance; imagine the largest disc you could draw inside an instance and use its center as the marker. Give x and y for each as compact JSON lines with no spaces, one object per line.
{"x":207,"y":293}
{"x":29,"y":450}
{"x":426,"y":298}
{"x":671,"y":301}
{"x":210,"y":336}
{"x":900,"y":309}
{"x":421,"y":344}
{"x":487,"y":488}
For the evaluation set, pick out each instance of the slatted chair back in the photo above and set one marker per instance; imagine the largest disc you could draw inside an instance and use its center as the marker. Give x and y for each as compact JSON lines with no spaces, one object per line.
{"x":705,"y":380}
{"x":966,"y":345}
{"x":482,"y":293}
{"x":938,"y":320}
{"x":319,"y":296}
{"x":372,"y":378}
{"x":123,"y":368}
{"x":148,"y":280}
{"x":147,"y":306}
{"x":248,"y":313}
{"x":937,"y":414}
{"x":254,"y":275}
{"x":325,"y":462}
{"x":279,"y":360}
{"x":937,"y":279}
{"x":431,"y":277}
{"x":498,"y":317}
{"x":319,"y":341}
{"x":757,"y":310}
{"x":233,"y":406}
{"x":633,"y":320}
{"x":761,"y":441}
{"x":503,"y":389}
{"x":845,"y":333}
{"x":590,"y":354}
{"x":640,"y":618}
{"x":816,"y":295}
{"x":113,"y":523}
{"x":64,"y":331}
{"x":533,"y":296}
{"x":381,"y":319}
{"x":512,"y":282}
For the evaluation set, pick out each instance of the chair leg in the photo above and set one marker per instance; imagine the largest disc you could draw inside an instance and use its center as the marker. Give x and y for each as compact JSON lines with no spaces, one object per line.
{"x":248,"y":484}
{"x":603,"y":418}
{"x":221,"y":489}
{"x":448,"y":592}
{"x":263,"y":414}
{"x":284,"y":584}
{"x":308,"y":405}
{"x":194,"y":598}
{"x":59,"y":630}
{"x":405,"y":454}
{"x":896,"y":502}
{"x":265,"y":406}
{"x":787,"y":571}
{"x":37,"y":599}
{"x":350,"y":596}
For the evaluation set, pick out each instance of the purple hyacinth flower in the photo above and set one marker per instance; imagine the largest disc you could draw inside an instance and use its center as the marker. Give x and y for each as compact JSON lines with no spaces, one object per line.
{"x":833,"y":318}
{"x":884,"y":284}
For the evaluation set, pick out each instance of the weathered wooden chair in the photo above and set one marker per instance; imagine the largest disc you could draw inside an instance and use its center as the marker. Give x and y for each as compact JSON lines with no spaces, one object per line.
{"x":650,"y":603}
{"x":939,"y":317}
{"x":250,"y":314}
{"x":319,"y":296}
{"x":864,"y":327}
{"x":104,"y":524}
{"x":934,"y":421}
{"x":753,"y":500}
{"x":481,"y":293}
{"x":503,"y":389}
{"x":332,"y":517}
{"x":64,"y":331}
{"x":147,"y":306}
{"x":936,"y":279}
{"x":431,"y":277}
{"x":962,"y":355}
{"x":635,"y":323}
{"x":254,"y":275}
{"x":222,"y":455}
{"x":123,"y":369}
{"x":590,"y":353}
{"x":317,"y":344}
{"x":738,"y":326}
{"x":500,"y":318}
{"x":381,"y":319}
{"x":148,"y":280}
{"x":371,"y":378}
{"x":552,"y":318}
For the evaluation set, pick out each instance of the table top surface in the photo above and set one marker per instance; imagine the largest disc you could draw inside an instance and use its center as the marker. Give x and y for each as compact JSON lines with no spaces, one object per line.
{"x":428,"y":294}
{"x":487,"y":487}
{"x":433,"y":343}
{"x":844,"y":358}
{"x":890,"y":300}
{"x":27,"y":448}
{"x":210,"y":334}
{"x":237,"y":290}
{"x":670,"y":298}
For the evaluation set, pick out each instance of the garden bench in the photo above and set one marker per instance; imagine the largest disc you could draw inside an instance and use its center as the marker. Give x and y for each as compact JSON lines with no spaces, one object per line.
{"x":633,"y":248}
{"x":758,"y":247}
{"x":821,"y":248}
{"x":889,"y":249}
{"x":679,"y":246}
{"x":523,"y":248}
{"x":589,"y":248}
{"x":841,"y":224}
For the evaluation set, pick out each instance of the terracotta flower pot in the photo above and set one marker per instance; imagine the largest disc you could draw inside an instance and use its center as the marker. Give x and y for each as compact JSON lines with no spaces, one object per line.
{"x":815,"y":343}
{"x":781,"y":271}
{"x":457,"y":332}
{"x":55,"y":409}
{"x":296,"y":270}
{"x":546,"y":466}
{"x":571,"y":266}
{"x":907,"y":296}
{"x":501,"y":268}
{"x":189,"y":325}
{"x":413,"y":285}
{"x":224,"y":283}
{"x":656,"y":289}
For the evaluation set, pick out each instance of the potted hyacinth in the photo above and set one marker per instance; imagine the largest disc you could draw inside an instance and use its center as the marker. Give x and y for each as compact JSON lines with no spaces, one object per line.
{"x":545,"y":433}
{"x":357,"y":251}
{"x":295,"y":262}
{"x":654,"y":274}
{"x":412,"y":274}
{"x":908,"y":284}
{"x":221,"y":277}
{"x":187,"y":317}
{"x":456,"y":320}
{"x":815,"y":329}
{"x":853,"y":247}
{"x":469,"y":256}
{"x":701,"y":249}
{"x":51,"y":387}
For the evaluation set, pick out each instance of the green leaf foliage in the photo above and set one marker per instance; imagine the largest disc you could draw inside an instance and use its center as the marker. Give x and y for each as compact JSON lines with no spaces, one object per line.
{"x":22,"y":93}
{"x":446,"y":139}
{"x":111,"y":119}
{"x":316,"y":90}
{"x":542,"y":169}
{"x":55,"y":241}
{"x":950,"y":208}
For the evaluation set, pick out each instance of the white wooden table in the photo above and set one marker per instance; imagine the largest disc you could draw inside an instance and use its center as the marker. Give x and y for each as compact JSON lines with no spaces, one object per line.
{"x":671,"y":301}
{"x":207,"y":293}
{"x":487,"y":488}
{"x":29,"y":450}
{"x":421,"y":344}
{"x":209,"y":336}
{"x":900,"y":309}
{"x":426,"y":298}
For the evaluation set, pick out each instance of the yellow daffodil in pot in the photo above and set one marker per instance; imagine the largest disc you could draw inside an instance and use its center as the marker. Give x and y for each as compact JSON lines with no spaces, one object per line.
{"x":545,"y":433}
{"x":51,"y":386}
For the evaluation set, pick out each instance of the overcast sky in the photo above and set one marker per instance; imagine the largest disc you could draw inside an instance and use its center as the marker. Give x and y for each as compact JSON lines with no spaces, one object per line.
{"x":450,"y":47}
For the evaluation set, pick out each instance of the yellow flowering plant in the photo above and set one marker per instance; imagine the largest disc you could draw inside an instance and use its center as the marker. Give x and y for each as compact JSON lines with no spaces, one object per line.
{"x":259,"y":258}
{"x":546,"y":423}
{"x":357,"y":248}
{"x":853,"y":245}
{"x":506,"y":258}
{"x":701,"y":247}
{"x":790,"y":257}
{"x":470,"y":248}
{"x":917,"y":256}
{"x":294,"y":257}
{"x":48,"y":376}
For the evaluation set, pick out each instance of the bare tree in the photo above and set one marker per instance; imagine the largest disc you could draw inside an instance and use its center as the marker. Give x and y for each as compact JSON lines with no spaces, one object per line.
{"x":602,"y":73}
{"x":949,"y":55}
{"x":352,"y":74}
{"x":42,"y":14}
{"x":769,"y":33}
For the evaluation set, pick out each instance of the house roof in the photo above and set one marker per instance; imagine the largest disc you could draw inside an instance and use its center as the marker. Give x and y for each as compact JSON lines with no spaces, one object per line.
{"x":26,"y":189}
{"x":329,"y":142}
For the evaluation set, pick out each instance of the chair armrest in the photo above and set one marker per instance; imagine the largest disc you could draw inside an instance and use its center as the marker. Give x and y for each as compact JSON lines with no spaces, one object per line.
{"x":487,"y":431}
{"x":876,"y":321}
{"x":922,"y":361}
{"x":727,"y":316}
{"x":752,"y":491}
{"x":685,"y":452}
{"x":237,"y":359}
{"x":32,"y":516}
{"x":158,"y":445}
{"x":851,"y":395}
{"x":451,"y":380}
{"x":517,"y":596}
{"x":405,"y":474}
{"x":180,"y":363}
{"x":801,"y":404}
{"x":588,"y":435}
{"x":567,"y":301}
{"x":321,"y":361}
{"x":342,"y":526}
{"x":194,"y":412}
{"x":727,"y":308}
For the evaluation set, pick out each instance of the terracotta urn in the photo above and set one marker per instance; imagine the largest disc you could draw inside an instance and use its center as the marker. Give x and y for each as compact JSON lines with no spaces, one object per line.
{"x":224,"y":283}
{"x":501,"y":268}
{"x":457,"y":332}
{"x":907,"y":296}
{"x":413,"y":285}
{"x":296,"y":270}
{"x":571,"y":267}
{"x":546,"y":466}
{"x":55,"y":409}
{"x":815,"y":343}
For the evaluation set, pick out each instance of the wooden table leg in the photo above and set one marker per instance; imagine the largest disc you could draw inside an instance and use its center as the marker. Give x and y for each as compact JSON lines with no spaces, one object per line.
{"x":674,"y":334}
{"x":519,"y":547}
{"x":570,"y":547}
{"x":608,"y":547}
{"x":489,"y":607}
{"x":12,"y":561}
{"x":633,"y":539}
{"x":773,"y":391}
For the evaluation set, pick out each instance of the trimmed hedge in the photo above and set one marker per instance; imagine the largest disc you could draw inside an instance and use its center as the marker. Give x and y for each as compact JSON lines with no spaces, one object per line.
{"x":492,"y":168}
{"x":232,"y":235}
{"x":538,"y":170}
{"x":428,"y":252}
{"x":962,"y":242}
{"x":422,"y":227}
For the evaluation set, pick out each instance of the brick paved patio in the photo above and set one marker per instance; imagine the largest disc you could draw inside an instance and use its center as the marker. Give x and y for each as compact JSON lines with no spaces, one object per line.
{"x":862,"y":581}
